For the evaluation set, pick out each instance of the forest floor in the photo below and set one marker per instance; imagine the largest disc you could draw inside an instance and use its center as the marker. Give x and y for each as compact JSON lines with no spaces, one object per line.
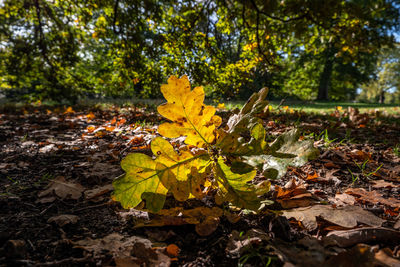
{"x":57,"y":166}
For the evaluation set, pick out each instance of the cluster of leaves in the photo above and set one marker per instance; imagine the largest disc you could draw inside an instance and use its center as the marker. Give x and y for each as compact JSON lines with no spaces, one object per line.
{"x":215,"y":159}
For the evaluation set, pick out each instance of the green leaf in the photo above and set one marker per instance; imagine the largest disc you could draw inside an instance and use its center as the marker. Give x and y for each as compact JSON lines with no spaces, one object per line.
{"x":234,"y":187}
{"x":150,"y":180}
{"x":140,"y":177}
{"x":286,"y":151}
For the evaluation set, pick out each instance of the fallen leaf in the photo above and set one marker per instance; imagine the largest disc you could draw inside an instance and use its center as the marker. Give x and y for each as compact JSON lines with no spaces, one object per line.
{"x":69,"y":110}
{"x":294,"y":195}
{"x":132,"y":249}
{"x":384,"y":257}
{"x":90,"y":116}
{"x":383,"y":184}
{"x":63,"y":219}
{"x":206,"y":220}
{"x":63,"y":189}
{"x":96,"y":192}
{"x":360,"y":155}
{"x":372,"y":197}
{"x":348,"y":238}
{"x":343,"y":199}
{"x":347,"y":216}
{"x":330,"y":164}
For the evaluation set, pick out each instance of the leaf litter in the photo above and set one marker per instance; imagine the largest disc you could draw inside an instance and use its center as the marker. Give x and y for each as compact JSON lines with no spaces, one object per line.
{"x":365,"y":206}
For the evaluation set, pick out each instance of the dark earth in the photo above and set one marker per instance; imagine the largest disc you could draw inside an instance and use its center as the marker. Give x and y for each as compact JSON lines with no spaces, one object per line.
{"x":62,"y":161}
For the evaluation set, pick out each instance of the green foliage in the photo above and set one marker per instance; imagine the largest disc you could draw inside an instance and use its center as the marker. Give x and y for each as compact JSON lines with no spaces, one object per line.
{"x":66,"y":50}
{"x":384,"y":87}
{"x":215,"y":159}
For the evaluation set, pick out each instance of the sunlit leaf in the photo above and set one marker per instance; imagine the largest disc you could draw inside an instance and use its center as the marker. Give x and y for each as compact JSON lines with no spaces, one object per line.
{"x":285,"y":151}
{"x":189,"y":116}
{"x":141,"y":176}
{"x":234,"y":187}
{"x":150,"y":180}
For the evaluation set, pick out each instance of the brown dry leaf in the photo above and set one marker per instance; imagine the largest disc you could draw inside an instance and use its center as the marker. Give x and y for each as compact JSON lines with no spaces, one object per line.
{"x":125,"y":250}
{"x":383,"y":184}
{"x":373,"y":197}
{"x":330,"y":164}
{"x":205,"y":219}
{"x":96,"y":192}
{"x":348,"y":238}
{"x":360,"y":155}
{"x":327,"y":179}
{"x":63,"y":219}
{"x":343,"y":199}
{"x":63,"y":189}
{"x":384,"y":257}
{"x":291,"y":189}
{"x":347,"y":216}
{"x":294,"y":195}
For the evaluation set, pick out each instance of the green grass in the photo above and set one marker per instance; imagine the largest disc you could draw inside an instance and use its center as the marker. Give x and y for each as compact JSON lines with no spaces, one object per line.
{"x":319,"y":107}
{"x":324,"y":107}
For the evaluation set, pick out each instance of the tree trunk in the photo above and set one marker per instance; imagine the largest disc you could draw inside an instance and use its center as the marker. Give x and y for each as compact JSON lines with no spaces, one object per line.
{"x":382,"y":97}
{"x":325,"y":79}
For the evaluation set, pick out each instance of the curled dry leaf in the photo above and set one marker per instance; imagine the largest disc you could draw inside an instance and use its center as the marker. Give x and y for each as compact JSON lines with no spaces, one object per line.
{"x":294,"y":195}
{"x":63,"y":189}
{"x":372,"y":197}
{"x":347,"y":216}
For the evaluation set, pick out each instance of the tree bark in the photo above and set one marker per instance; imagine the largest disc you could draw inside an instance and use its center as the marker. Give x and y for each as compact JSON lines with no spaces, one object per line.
{"x":382,"y":97}
{"x":325,"y":79}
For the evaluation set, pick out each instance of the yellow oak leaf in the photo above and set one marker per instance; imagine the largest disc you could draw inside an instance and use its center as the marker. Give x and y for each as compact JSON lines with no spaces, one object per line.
{"x":179,"y":172}
{"x":189,"y":116}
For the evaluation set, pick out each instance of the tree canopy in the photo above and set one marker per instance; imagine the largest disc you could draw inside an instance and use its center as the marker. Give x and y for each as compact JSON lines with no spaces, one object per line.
{"x":308,"y":49}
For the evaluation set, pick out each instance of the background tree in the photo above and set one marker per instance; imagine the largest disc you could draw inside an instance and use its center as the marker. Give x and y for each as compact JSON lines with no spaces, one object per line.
{"x":123,"y":48}
{"x":386,"y":82}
